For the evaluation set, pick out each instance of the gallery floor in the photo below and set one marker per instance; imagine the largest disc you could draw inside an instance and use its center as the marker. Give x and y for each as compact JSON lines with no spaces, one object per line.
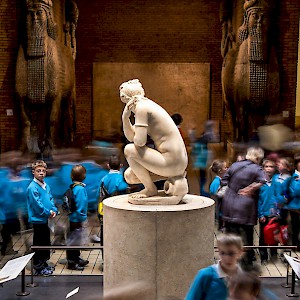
{"x":90,"y":280}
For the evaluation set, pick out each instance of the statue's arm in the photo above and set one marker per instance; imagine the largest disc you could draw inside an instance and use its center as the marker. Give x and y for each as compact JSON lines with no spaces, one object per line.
{"x":127,"y":126}
{"x":141,"y":126}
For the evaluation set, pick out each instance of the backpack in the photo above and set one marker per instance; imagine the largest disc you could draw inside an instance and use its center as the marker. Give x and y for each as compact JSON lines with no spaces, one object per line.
{"x":275,"y":233}
{"x":103,"y":195}
{"x":69,"y":204}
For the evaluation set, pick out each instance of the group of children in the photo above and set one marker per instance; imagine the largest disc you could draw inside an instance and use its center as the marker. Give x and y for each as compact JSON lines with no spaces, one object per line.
{"x":41,"y":209}
{"x":278,"y":198}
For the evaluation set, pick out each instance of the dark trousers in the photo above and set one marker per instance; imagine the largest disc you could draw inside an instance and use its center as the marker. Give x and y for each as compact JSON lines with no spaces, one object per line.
{"x":246,"y":233}
{"x":295,"y":226}
{"x":6,"y":237}
{"x":10,"y":227}
{"x":73,"y":255}
{"x":41,"y":237}
{"x":264,"y":252}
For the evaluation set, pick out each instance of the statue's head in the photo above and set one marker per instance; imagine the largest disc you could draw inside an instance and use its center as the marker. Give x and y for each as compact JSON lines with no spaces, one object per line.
{"x":46,"y":4}
{"x":41,"y":12}
{"x":130,"y":89}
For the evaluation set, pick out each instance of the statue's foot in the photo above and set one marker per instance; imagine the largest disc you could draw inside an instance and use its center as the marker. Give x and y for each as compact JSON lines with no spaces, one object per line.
{"x":145,"y":193}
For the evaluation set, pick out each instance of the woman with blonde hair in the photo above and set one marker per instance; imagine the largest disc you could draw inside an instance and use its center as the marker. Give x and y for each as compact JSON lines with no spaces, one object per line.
{"x":239,"y":204}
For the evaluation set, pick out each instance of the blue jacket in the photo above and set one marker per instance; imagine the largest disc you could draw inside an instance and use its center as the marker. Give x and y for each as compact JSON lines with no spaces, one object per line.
{"x":39,"y":203}
{"x":113,"y":182}
{"x":266,"y":205}
{"x":279,"y":182}
{"x":81,"y":201}
{"x":207,"y":285}
{"x":293,"y":192}
{"x":214,"y":186}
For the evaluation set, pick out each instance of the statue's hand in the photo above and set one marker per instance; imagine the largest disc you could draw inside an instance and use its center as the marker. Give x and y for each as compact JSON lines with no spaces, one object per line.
{"x":126,"y":113}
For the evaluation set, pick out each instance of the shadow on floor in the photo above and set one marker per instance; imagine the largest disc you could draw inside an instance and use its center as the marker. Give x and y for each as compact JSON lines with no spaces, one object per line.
{"x":55,"y":287}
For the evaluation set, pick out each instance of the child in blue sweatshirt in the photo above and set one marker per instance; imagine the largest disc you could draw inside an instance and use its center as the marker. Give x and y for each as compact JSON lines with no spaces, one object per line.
{"x":266,"y":206}
{"x":210,"y":283}
{"x":41,"y":207}
{"x":77,"y":217}
{"x":218,"y":167}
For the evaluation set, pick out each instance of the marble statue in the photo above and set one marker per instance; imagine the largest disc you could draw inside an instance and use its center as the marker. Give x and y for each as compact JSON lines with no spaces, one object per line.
{"x":168,"y":160}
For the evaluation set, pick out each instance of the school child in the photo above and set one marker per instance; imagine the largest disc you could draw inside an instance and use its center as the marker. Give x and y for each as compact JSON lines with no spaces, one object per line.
{"x":292,"y":203}
{"x":211,"y":283}
{"x":266,"y":207}
{"x":112,"y":184}
{"x":77,"y":217}
{"x":244,"y":286}
{"x":218,"y":167}
{"x":41,"y":207}
{"x":285,"y":166}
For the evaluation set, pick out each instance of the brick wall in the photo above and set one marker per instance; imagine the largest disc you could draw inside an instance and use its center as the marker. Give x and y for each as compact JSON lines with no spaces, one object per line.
{"x":141,"y":31}
{"x":9,"y":125}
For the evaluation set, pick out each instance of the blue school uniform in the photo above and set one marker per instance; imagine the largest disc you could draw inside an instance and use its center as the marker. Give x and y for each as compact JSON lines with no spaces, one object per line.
{"x":113,"y":182}
{"x":293,"y":192}
{"x":266,"y":201}
{"x":278,"y":182}
{"x":81,"y":201}
{"x":214,"y":186}
{"x":209,"y":284}
{"x":39,"y":203}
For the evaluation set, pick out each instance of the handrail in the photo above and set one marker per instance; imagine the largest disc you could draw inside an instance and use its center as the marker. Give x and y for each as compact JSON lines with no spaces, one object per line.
{"x":60,"y":247}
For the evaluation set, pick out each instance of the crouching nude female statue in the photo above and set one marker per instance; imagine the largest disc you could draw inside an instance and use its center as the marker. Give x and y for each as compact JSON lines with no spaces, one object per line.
{"x":169,"y":158}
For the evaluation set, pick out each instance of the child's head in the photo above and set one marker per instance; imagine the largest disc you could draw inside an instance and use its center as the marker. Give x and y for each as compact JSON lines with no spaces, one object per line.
{"x":114,"y":163}
{"x":78,"y":173}
{"x":219,"y":167}
{"x":244,"y":286}
{"x":230,"y":250}
{"x":39,"y":169}
{"x":285,"y":165}
{"x":269,"y":167}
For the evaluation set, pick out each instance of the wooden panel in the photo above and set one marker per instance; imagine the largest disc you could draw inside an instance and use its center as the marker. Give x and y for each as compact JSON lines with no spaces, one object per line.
{"x":182,"y":88}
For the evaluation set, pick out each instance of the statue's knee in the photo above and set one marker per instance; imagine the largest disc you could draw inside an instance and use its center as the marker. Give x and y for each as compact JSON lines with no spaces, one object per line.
{"x":129,"y":151}
{"x":130,"y":177}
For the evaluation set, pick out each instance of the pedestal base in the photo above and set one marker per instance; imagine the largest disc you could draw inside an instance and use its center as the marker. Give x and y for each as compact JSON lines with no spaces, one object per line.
{"x":163,"y":246}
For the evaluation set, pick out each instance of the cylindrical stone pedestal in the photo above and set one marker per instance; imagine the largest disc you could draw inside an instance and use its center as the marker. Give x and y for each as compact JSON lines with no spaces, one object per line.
{"x":161,"y":245}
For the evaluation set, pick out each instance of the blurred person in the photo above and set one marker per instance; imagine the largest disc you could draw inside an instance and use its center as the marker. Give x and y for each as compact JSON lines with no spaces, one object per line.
{"x":239,"y":204}
{"x":240,"y":156}
{"x":248,"y":286}
{"x":244,"y":286}
{"x":177,"y":118}
{"x":211,"y":282}
{"x":9,"y":212}
{"x":218,"y":167}
{"x":292,"y":202}
{"x":266,"y":207}
{"x":111,"y":184}
{"x":77,"y":217}
{"x":285,"y":166}
{"x":41,"y":207}
{"x":202,"y":155}
{"x":274,"y":134}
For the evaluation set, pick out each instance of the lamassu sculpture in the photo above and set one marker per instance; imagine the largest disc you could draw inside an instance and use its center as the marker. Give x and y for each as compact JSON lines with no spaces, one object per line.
{"x":45,"y":77}
{"x":168,"y":160}
{"x":250,"y":73}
